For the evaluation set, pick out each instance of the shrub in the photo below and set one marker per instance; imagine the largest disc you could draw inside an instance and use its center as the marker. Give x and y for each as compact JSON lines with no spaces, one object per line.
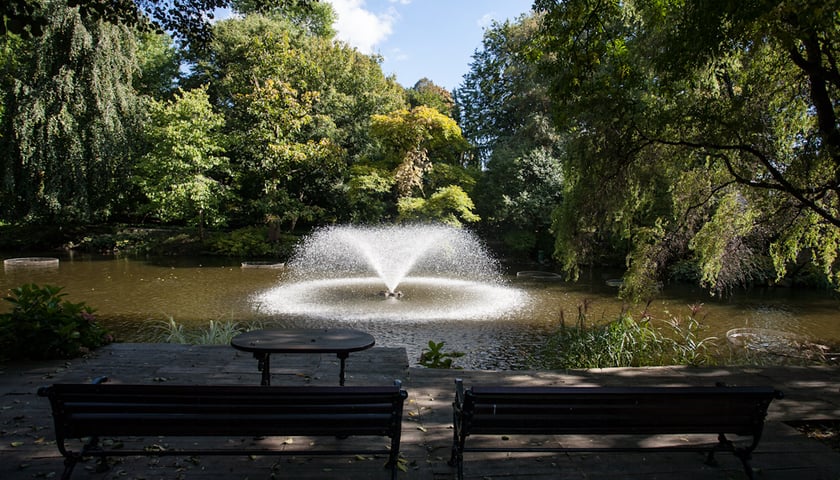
{"x":42,"y":325}
{"x":252,"y":242}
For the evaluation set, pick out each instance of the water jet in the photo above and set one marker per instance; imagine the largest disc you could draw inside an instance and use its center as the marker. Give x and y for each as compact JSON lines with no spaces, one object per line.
{"x":437,"y":273}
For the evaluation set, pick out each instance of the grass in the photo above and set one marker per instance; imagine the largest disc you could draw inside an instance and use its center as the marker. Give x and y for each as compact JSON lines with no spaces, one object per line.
{"x":627,"y":342}
{"x":216,"y":333}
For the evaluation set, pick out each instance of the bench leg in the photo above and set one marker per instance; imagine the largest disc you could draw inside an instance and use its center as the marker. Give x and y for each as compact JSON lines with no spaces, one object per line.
{"x":457,"y":458}
{"x":69,"y":464}
{"x":394,"y":456}
{"x":745,"y":456}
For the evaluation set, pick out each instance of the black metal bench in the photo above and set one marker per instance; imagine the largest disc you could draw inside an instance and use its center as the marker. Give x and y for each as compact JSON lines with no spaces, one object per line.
{"x":603,"y":411}
{"x":112,"y":410}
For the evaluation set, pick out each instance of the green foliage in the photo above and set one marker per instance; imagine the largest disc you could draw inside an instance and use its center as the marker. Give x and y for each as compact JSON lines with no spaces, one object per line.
{"x":42,"y":325}
{"x":436,"y":357}
{"x":505,"y":112}
{"x":627,"y":343}
{"x":369,"y":194}
{"x":216,"y":333}
{"x":704,"y":131}
{"x":177,"y":174}
{"x":314,"y":18}
{"x":252,"y":242}
{"x":416,"y":143}
{"x":448,"y":205}
{"x":70,"y":120}
{"x":159,"y":64}
{"x":427,"y":94}
{"x":520,"y":242}
{"x":419,"y":129}
{"x":298,"y":110}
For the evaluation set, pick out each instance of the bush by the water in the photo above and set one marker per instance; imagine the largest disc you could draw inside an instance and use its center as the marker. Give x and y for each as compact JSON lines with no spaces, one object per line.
{"x":42,"y":325}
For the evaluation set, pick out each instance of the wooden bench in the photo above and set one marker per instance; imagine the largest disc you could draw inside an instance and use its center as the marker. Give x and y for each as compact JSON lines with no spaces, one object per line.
{"x":605,"y":411}
{"x":111,"y":410}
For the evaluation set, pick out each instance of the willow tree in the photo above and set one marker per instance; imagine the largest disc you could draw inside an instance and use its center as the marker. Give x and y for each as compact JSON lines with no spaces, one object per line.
{"x":702,"y":129}
{"x":69,"y":121}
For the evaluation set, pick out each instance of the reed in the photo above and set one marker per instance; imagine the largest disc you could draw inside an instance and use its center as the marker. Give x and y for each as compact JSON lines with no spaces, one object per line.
{"x":218,"y":332}
{"x":627,"y":342}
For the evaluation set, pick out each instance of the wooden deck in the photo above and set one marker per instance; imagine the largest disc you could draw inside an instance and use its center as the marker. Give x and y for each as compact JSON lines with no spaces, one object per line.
{"x":27,"y":451}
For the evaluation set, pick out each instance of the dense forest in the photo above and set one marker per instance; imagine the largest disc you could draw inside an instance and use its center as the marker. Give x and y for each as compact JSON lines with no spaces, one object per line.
{"x":682,"y":140}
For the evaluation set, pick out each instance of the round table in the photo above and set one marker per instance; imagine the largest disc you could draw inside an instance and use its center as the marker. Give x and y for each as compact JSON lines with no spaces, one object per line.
{"x":262,"y":343}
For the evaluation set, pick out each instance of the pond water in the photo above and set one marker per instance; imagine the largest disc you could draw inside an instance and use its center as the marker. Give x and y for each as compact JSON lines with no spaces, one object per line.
{"x":134,"y":296}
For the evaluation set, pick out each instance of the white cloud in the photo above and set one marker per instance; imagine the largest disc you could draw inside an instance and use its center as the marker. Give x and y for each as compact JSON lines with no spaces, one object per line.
{"x":360,"y":27}
{"x":486,"y":20}
{"x":397,"y":55}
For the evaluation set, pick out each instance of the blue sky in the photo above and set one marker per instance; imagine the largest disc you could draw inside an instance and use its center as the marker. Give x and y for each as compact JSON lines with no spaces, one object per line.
{"x":422,"y":38}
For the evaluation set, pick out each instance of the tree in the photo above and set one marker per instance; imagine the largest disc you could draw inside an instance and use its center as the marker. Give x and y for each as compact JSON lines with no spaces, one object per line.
{"x":313,"y":17}
{"x":188,"y":20}
{"x":426,"y":93}
{"x":705,"y":129}
{"x":413,"y":140}
{"x":422,"y":151}
{"x":449,"y":205}
{"x":159,"y":63}
{"x":298,"y":108}
{"x":70,"y":118}
{"x":505,"y":112}
{"x":182,"y":173}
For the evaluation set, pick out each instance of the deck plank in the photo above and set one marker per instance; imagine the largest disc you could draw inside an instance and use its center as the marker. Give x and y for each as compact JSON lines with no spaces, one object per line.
{"x":27,"y":450}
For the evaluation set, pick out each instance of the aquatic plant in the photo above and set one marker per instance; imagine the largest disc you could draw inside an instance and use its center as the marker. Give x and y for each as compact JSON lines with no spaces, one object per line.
{"x":218,"y":332}
{"x":626,"y":342}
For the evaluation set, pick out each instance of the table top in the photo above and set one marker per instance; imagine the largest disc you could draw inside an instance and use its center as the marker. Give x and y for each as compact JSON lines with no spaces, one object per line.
{"x":303,"y":340}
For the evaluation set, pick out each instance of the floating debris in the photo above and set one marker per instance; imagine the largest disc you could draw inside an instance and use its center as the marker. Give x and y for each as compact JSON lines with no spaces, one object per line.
{"x":539,"y":275}
{"x":31,"y":262}
{"x":263,"y":265}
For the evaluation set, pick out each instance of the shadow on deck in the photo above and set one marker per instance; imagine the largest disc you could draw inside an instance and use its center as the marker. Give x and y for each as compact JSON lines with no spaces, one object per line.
{"x":28,"y":451}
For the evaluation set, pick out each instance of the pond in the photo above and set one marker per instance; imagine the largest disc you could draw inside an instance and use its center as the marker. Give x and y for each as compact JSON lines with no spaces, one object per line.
{"x":133,"y":297}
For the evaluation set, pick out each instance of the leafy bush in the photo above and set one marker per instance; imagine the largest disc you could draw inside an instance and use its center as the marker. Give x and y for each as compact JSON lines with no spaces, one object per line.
{"x":43,"y":326}
{"x":252,"y":242}
{"x":436,"y":357}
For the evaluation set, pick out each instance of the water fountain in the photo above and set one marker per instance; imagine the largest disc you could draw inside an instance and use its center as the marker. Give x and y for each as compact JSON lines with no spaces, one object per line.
{"x":408,"y":273}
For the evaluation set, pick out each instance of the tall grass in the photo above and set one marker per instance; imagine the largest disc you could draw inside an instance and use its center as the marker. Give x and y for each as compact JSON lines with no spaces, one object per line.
{"x":627,"y":342}
{"x":216,"y":333}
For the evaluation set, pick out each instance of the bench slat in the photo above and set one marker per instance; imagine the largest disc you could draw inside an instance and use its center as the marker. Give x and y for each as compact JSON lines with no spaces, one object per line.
{"x":200,"y":424}
{"x":94,"y":410}
{"x":503,"y":410}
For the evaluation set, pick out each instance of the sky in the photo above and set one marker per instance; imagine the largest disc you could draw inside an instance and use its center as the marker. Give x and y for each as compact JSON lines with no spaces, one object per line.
{"x":417,"y":39}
